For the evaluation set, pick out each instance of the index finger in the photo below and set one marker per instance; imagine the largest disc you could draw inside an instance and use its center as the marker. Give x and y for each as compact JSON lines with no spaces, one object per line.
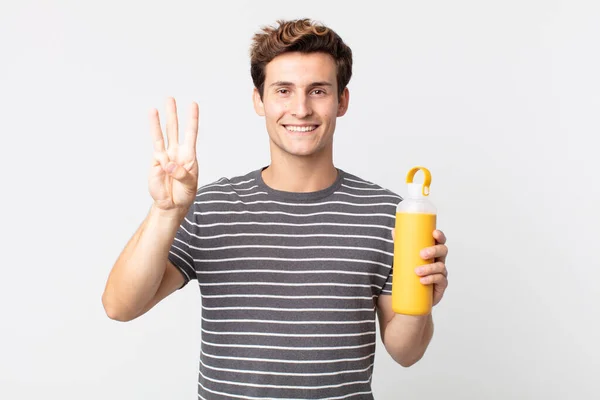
{"x":156,"y":131}
{"x":439,"y":236}
{"x":191,"y":133}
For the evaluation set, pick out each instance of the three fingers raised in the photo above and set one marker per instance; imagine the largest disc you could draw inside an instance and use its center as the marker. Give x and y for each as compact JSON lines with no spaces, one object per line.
{"x":172,"y":127}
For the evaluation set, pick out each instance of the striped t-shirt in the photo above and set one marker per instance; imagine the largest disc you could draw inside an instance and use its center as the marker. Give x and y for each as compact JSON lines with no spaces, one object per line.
{"x":288,"y":283}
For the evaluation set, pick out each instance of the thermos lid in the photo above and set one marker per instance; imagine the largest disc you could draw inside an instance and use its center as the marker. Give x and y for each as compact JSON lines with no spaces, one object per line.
{"x":418,"y":189}
{"x":415,"y":190}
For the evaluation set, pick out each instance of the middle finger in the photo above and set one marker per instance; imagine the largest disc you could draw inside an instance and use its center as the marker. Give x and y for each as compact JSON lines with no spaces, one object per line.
{"x":437,"y":251}
{"x":172,"y":123}
{"x":430,"y":269}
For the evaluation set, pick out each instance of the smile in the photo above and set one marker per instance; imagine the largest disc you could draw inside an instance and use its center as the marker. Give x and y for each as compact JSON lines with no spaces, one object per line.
{"x":302,"y":128}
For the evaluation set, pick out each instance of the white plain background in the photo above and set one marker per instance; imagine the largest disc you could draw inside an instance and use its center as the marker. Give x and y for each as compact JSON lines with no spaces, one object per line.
{"x":499,"y":99}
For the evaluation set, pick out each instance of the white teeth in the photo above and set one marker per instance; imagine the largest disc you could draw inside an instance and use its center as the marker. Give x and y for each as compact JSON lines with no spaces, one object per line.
{"x":301,"y":128}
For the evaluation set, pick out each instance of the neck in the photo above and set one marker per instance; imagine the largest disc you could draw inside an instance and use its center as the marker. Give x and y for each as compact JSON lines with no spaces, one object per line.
{"x":300,"y":174}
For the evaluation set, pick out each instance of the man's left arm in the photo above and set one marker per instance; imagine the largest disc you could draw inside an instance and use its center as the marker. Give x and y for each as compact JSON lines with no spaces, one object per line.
{"x":406,"y":337}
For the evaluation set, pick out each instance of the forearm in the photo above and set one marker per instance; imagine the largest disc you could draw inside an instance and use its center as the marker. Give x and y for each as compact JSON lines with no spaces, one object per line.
{"x":139,"y":269}
{"x":407,"y":337}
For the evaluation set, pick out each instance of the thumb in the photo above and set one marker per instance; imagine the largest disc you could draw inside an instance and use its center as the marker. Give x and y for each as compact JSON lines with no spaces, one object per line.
{"x":180,"y":174}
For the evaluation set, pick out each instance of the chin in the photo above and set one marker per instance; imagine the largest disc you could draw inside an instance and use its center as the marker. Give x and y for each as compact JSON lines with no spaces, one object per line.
{"x":302,"y":152}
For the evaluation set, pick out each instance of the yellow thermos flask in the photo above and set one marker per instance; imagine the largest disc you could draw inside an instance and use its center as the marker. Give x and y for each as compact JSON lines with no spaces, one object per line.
{"x":415,"y":223}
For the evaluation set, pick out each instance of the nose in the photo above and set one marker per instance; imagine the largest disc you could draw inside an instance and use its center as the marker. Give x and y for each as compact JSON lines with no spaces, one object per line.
{"x":300,"y":106}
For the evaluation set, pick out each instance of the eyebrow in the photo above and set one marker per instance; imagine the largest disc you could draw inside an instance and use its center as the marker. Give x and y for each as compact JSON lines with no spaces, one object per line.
{"x":285,"y":83}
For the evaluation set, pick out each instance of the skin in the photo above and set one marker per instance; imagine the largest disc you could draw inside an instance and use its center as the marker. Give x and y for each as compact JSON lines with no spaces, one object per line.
{"x":300,"y":90}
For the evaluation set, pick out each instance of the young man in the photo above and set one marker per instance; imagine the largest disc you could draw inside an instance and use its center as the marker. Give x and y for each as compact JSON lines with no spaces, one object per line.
{"x":294,"y":259}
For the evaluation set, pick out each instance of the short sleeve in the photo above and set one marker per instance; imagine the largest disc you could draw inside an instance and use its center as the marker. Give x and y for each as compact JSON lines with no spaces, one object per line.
{"x":180,"y":253}
{"x":387,"y":287}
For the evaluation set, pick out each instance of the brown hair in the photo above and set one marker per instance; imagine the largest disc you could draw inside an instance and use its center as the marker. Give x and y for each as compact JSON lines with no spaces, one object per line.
{"x":301,"y":35}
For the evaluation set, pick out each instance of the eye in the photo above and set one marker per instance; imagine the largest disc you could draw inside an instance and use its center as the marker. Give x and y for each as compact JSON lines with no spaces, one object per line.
{"x":319,"y":92}
{"x":283,"y":91}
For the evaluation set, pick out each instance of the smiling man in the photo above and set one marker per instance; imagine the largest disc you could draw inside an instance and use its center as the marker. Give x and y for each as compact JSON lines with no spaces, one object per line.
{"x":293,"y":259}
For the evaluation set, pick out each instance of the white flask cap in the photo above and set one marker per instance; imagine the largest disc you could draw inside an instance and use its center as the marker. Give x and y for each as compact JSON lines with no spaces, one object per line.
{"x":415,"y":190}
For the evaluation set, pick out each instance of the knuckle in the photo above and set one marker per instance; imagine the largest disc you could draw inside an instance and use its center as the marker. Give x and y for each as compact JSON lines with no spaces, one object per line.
{"x":180,"y":172}
{"x":161,"y":157}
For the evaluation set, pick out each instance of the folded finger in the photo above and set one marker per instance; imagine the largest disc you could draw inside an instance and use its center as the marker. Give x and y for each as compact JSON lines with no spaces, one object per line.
{"x":161,"y":158}
{"x":439,"y":236}
{"x":437,"y":279}
{"x":431,"y":269}
{"x":437,"y":251}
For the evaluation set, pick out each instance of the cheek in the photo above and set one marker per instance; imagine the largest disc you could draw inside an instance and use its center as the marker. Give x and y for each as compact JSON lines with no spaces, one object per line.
{"x":329,"y":113}
{"x":275,"y":111}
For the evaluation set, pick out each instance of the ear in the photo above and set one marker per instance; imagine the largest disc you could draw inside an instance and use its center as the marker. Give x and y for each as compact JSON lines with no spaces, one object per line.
{"x":343,"y":103}
{"x":259,"y":107}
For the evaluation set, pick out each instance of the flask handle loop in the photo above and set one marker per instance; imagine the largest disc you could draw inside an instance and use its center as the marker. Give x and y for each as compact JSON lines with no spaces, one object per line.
{"x":411,"y":174}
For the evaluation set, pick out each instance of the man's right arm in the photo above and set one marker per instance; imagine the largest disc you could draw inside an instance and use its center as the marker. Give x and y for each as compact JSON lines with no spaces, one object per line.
{"x":142,"y":275}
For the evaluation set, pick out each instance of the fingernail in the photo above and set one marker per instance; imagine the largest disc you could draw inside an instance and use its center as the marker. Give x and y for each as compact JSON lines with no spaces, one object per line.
{"x":171,"y":167}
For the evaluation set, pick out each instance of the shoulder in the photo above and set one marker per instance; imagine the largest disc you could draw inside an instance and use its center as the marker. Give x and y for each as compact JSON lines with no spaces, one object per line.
{"x":356,"y":184}
{"x":228,"y":185}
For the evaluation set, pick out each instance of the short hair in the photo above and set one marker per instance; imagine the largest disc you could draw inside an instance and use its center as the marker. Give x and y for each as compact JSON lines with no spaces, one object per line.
{"x":301,"y":35}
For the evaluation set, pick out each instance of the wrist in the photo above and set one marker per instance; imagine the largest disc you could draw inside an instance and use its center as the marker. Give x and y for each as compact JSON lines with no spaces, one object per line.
{"x":415,"y":322}
{"x":174,"y":215}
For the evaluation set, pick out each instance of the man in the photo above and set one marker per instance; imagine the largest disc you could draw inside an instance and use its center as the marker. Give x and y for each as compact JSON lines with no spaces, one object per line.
{"x":293,"y":259}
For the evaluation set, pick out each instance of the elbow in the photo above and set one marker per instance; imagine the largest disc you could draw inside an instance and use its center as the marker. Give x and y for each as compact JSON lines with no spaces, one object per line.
{"x":405,"y":356}
{"x":116,"y":316}
{"x":407,"y":359}
{"x":114,"y":312}
{"x":409,"y":362}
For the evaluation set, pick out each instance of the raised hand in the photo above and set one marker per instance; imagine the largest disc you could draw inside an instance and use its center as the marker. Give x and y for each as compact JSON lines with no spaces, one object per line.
{"x":173,"y":178}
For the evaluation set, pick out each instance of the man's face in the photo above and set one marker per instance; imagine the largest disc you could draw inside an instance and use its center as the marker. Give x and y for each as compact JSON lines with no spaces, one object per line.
{"x":300,"y":103}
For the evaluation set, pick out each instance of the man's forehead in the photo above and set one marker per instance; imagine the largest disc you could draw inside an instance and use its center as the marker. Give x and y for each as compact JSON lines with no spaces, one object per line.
{"x":301,"y":69}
